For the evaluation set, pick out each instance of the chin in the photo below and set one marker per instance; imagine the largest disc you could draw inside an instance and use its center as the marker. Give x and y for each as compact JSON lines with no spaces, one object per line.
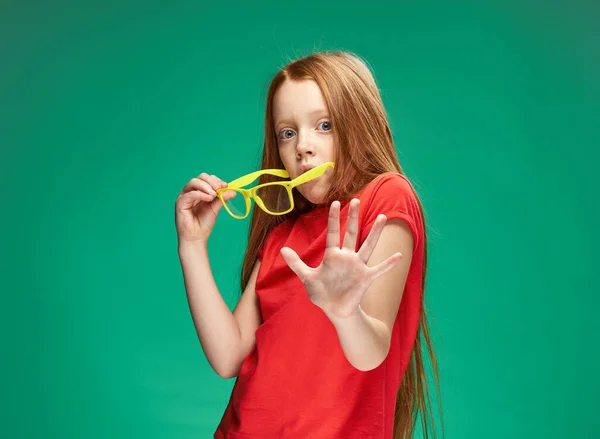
{"x":316,"y":201}
{"x":316,"y":195}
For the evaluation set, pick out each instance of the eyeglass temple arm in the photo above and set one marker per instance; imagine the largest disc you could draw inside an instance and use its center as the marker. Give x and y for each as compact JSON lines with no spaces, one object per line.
{"x":314,"y":172}
{"x":247,"y":179}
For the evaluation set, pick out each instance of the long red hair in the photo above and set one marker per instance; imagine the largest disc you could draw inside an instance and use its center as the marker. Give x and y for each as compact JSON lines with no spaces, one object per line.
{"x":364,"y":150}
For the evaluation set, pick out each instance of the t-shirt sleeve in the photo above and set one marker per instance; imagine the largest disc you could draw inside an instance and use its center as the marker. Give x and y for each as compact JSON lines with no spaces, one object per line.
{"x":394,"y":197}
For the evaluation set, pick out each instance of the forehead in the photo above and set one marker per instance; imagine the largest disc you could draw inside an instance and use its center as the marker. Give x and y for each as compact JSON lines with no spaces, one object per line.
{"x":295,"y":99}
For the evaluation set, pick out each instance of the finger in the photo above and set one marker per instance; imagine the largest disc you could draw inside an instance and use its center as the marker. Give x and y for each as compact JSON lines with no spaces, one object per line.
{"x":216,"y":205}
{"x":218,"y":182}
{"x":333,"y":226}
{"x":352,"y":225}
{"x":294,"y":262}
{"x":370,"y":242}
{"x":227,"y":195}
{"x":213,"y":181}
{"x":385,"y":266}
{"x":190,"y":199}
{"x":197,"y":184}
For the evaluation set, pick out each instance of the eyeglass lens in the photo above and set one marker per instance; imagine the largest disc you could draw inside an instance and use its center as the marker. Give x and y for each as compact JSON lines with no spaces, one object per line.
{"x":274,"y":197}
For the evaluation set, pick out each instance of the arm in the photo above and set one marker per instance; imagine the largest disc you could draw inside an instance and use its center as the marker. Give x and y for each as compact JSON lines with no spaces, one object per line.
{"x":365,"y":340}
{"x":226,"y":337}
{"x":366,"y":334}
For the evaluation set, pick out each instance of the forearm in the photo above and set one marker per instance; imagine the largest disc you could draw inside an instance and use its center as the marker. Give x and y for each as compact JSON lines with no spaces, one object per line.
{"x":365,"y":340}
{"x":215,"y":325}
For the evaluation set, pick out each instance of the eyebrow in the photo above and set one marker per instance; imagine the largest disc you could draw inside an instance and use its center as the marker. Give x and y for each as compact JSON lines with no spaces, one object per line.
{"x":313,"y":112}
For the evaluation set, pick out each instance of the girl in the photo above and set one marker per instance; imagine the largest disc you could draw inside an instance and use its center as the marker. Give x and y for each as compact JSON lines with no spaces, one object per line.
{"x":325,"y":339}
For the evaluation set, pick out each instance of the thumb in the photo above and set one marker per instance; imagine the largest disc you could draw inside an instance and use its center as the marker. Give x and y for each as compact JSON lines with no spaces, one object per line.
{"x":216,"y":205}
{"x":292,"y":259}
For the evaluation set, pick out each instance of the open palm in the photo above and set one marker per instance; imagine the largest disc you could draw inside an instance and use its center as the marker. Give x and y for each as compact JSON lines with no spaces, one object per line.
{"x":339,"y":283}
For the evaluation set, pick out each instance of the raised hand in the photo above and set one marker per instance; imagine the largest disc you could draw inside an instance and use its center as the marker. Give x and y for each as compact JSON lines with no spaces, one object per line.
{"x":339,"y":283}
{"x":197,"y":207}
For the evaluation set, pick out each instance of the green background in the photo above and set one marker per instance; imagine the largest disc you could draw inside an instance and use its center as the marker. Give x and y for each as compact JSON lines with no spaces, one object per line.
{"x":109,"y":108}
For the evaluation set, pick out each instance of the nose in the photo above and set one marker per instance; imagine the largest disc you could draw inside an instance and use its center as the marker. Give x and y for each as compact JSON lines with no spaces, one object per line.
{"x":304,"y":146}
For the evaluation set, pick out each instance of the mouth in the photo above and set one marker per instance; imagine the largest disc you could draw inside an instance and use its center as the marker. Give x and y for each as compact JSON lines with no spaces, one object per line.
{"x":305,"y":168}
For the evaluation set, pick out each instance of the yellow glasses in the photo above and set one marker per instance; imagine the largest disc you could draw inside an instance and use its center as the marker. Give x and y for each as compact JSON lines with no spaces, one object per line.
{"x":275,"y":197}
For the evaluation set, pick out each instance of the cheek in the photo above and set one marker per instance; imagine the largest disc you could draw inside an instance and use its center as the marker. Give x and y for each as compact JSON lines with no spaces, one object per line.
{"x":287,"y":151}
{"x":288,"y":166}
{"x":329,"y":150}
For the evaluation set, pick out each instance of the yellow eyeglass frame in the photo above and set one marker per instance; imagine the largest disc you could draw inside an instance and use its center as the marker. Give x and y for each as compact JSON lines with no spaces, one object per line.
{"x":238,"y":184}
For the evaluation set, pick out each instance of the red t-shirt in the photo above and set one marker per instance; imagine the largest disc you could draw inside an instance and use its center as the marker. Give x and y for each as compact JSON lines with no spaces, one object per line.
{"x":297,"y":383}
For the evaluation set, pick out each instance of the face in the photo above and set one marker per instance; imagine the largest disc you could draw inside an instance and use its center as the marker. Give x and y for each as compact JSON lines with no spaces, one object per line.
{"x":304,"y":134}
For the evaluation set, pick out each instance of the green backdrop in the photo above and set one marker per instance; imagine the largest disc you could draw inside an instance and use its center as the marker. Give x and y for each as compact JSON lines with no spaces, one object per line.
{"x":108,"y":108}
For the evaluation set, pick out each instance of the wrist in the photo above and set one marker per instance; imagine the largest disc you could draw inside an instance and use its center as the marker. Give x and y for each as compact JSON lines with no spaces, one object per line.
{"x":353,"y":316}
{"x":186,"y":247}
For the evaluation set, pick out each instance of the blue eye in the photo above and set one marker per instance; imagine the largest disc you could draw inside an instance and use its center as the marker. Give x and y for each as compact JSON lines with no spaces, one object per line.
{"x":326,"y":125}
{"x":286,"y":134}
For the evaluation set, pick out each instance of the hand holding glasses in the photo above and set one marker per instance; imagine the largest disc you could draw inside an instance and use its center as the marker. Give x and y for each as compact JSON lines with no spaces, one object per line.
{"x":275,"y":198}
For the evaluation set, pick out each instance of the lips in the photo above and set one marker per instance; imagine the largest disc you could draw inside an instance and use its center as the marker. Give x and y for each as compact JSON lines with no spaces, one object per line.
{"x":306,"y":167}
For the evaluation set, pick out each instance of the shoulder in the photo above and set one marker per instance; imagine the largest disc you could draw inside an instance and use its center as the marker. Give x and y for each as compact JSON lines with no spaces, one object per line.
{"x":390,"y":183}
{"x":389,"y":190}
{"x":393,"y":195}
